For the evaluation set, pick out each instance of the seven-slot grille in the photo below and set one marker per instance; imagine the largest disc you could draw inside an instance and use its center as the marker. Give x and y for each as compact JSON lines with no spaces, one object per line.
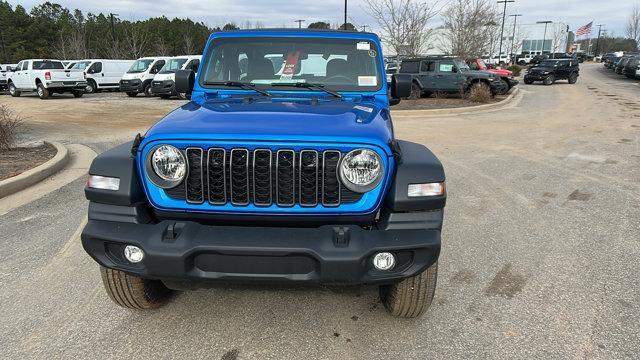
{"x":263,"y":177}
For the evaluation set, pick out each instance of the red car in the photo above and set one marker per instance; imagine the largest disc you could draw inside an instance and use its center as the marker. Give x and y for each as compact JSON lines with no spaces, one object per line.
{"x":505,"y":75}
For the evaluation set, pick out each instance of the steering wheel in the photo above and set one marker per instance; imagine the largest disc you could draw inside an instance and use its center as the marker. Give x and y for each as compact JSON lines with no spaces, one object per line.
{"x":336,"y":77}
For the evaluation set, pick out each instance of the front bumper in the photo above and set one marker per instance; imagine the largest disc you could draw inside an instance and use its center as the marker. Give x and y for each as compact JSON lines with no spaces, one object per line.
{"x":166,"y":87}
{"x":189,"y":251}
{"x":498,"y":87}
{"x":512,"y":82}
{"x":133,"y":85}
{"x":535,"y":77}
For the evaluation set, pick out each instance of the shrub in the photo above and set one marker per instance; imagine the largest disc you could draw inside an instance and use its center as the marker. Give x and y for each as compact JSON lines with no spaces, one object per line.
{"x":9,"y":124}
{"x":480,"y":93}
{"x":516,"y":69}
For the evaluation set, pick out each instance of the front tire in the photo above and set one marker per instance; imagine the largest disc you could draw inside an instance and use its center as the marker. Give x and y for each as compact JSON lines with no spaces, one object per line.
{"x":77,"y":93}
{"x":43,"y":93}
{"x":573,"y":78}
{"x":91,"y":87}
{"x":411,"y":297}
{"x":528,"y":81}
{"x":132,"y":94}
{"x":133,"y":292}
{"x":147,"y":90}
{"x":13,"y":91}
{"x":549,"y":80}
{"x":505,"y":86}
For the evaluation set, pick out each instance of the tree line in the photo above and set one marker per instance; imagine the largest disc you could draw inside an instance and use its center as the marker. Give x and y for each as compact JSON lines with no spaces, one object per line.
{"x":50,"y":30}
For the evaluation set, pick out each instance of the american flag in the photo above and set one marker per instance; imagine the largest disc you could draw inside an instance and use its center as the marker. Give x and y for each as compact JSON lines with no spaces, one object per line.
{"x":584,"y":30}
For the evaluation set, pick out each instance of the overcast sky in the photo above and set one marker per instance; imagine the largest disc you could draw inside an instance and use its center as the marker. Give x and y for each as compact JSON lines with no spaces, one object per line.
{"x":276,"y":13}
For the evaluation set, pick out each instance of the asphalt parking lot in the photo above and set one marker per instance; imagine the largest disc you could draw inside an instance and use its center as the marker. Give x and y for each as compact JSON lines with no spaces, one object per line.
{"x":540,"y":254}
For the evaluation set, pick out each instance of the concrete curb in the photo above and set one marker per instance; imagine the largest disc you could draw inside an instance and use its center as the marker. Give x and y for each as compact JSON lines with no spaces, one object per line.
{"x":30,"y":177}
{"x":460,"y":110}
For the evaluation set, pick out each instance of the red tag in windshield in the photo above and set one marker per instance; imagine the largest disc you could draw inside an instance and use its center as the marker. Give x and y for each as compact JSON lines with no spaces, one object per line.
{"x":290,"y":66}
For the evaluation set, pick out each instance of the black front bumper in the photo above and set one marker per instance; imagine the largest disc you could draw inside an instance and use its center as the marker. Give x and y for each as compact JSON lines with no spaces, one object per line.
{"x":131,"y":86}
{"x":536,"y":76}
{"x":189,"y":251}
{"x":166,"y":87}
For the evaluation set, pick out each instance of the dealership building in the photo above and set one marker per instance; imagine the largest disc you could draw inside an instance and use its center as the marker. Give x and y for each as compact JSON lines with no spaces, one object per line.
{"x":528,"y":38}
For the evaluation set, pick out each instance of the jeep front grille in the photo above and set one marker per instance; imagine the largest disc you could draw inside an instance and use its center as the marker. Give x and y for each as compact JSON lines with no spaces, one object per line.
{"x":263,"y":177}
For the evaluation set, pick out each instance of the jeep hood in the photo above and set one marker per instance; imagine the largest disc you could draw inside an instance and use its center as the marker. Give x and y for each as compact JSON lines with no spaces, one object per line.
{"x":278,"y":120}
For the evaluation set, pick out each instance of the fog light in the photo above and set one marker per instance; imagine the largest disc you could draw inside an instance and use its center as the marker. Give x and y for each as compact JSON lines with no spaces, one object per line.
{"x":133,"y":253}
{"x":384,"y":261}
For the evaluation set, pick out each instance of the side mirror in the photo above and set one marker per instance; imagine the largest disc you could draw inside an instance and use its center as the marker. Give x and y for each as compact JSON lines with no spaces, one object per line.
{"x":400,"y":87}
{"x":454,"y":69}
{"x":185,"y":79}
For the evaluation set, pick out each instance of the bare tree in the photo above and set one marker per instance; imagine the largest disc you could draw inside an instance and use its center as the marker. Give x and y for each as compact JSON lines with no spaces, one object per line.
{"x":470,"y":27}
{"x":161,"y":46}
{"x":136,"y":42}
{"x":559,"y":39}
{"x":633,"y":25}
{"x":403,"y":23}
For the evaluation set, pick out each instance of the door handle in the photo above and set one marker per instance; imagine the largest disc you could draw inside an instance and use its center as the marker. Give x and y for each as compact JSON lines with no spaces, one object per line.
{"x":102,"y":74}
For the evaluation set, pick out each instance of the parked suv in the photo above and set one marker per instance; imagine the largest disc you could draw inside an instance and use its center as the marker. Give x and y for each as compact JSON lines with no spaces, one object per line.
{"x":621,"y":64}
{"x":631,"y":67}
{"x":283,"y":172}
{"x":447,"y":74}
{"x":550,"y":70}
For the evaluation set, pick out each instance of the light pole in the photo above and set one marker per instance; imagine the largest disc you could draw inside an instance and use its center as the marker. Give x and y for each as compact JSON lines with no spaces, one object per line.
{"x":300,"y":23}
{"x":344,"y":25}
{"x":513,"y":36}
{"x":598,"y":41}
{"x":544,"y":37}
{"x":504,"y":14}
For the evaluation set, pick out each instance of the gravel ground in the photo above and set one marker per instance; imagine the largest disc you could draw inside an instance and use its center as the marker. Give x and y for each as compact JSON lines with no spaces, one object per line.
{"x":540,"y":248}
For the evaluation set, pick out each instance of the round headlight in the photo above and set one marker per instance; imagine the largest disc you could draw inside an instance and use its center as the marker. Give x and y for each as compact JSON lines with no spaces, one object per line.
{"x":169,"y":165}
{"x":361,"y":170}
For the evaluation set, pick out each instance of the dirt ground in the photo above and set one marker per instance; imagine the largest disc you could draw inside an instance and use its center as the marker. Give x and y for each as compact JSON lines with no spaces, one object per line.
{"x":20,"y":159}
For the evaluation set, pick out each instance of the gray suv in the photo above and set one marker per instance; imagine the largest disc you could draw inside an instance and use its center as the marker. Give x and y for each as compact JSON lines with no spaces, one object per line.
{"x":447,"y":74}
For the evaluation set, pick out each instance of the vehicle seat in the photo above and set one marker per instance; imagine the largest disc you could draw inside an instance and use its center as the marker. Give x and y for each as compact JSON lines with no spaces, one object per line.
{"x":337,"y":67}
{"x":260,"y":68}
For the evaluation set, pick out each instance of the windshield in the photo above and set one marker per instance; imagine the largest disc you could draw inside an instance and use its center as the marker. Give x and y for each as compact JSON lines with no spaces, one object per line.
{"x":340,"y":64}
{"x":172,"y":66}
{"x":140,"y":66}
{"x":47,"y":65}
{"x":81,"y":65}
{"x":461,"y":65}
{"x":549,"y":63}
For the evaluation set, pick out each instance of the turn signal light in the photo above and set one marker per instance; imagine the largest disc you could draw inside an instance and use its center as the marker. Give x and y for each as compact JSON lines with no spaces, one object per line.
{"x":103,"y":182}
{"x":428,"y":189}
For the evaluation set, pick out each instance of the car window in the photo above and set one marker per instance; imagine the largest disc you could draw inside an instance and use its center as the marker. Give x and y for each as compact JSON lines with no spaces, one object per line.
{"x":47,"y":65}
{"x":19,"y":66}
{"x":25,"y":65}
{"x":80,"y":65}
{"x":446,"y":66}
{"x":428,"y":66}
{"x":473,"y":65}
{"x":409,"y":67}
{"x":95,"y":68}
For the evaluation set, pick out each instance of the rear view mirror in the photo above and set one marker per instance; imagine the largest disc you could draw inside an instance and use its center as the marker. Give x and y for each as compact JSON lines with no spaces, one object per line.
{"x":454,"y":69}
{"x":185,"y":80}
{"x":400,"y":87}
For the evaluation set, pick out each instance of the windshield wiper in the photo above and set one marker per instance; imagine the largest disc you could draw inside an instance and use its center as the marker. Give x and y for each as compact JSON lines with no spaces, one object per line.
{"x":242,"y":85}
{"x":310,"y":86}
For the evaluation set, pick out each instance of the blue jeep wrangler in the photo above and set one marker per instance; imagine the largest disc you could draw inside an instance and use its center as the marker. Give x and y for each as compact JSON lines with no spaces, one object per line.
{"x":282,"y":168}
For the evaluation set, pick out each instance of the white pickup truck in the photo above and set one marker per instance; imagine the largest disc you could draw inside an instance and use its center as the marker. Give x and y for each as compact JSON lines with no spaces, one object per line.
{"x":45,"y":77}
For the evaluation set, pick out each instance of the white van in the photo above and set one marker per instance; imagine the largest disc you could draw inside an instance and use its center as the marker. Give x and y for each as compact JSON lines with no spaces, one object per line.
{"x":140,"y":75}
{"x":163,"y":84}
{"x":103,"y":74}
